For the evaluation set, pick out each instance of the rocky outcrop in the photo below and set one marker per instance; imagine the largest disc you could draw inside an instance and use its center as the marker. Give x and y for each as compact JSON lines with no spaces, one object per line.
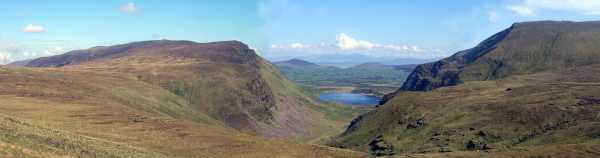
{"x":379,"y":147}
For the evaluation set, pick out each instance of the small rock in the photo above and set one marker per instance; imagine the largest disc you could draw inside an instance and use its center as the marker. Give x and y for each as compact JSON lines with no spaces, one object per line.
{"x":419,"y":123}
{"x":481,"y":134}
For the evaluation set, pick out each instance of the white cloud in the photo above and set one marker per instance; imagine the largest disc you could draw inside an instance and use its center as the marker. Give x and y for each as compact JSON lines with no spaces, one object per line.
{"x":11,"y":50}
{"x":4,"y":58}
{"x":530,"y":7}
{"x":31,"y":28}
{"x":493,"y":16}
{"x":346,"y":42}
{"x":291,"y":46}
{"x":521,"y":10}
{"x":298,"y":45}
{"x":255,"y":50}
{"x":129,"y":7}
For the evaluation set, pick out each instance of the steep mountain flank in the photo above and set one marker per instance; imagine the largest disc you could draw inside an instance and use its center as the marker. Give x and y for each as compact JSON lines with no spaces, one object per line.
{"x":524,"y":48}
{"x":531,"y":91}
{"x":55,"y":112}
{"x":225,"y":80}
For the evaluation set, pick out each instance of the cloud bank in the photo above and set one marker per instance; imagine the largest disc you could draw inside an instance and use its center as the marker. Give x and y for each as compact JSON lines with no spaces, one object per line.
{"x":11,"y":51}
{"x":346,"y":45}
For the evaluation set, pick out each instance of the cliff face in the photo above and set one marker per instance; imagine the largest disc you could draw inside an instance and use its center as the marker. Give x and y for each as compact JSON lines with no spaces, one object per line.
{"x":523,"y":48}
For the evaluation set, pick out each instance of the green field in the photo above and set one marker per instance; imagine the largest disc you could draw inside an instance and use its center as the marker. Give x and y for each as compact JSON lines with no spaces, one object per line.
{"x":368,"y":78}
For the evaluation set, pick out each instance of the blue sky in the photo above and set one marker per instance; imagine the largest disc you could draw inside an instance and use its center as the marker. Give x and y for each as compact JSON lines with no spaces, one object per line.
{"x":278,"y":29}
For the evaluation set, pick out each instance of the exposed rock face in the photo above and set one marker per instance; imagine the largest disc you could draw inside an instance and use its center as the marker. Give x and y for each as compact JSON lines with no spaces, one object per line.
{"x":446,"y":71}
{"x":379,"y":147}
{"x":521,"y":49}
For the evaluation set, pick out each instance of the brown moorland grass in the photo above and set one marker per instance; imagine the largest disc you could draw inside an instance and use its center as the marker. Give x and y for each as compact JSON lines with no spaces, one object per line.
{"x":68,"y":113}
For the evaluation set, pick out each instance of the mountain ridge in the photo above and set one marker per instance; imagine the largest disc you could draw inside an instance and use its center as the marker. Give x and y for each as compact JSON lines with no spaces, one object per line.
{"x":523,"y":48}
{"x":543,"y":36}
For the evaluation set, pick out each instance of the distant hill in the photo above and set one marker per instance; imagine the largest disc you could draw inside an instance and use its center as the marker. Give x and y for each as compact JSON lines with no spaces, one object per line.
{"x":531,"y":90}
{"x":295,"y":63}
{"x":19,"y":63}
{"x":408,"y":68}
{"x":361,"y":75}
{"x":372,"y":65}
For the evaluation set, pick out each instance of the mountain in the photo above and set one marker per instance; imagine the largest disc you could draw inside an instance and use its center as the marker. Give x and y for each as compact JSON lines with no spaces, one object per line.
{"x":19,"y":63}
{"x":528,"y":91}
{"x":161,"y":99}
{"x":295,"y":63}
{"x":225,"y":79}
{"x":407,"y":68}
{"x":371,"y":65}
{"x":524,"y":48}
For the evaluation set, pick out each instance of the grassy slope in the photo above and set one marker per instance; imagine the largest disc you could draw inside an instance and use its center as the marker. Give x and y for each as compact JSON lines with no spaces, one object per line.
{"x":58,"y":113}
{"x":331,"y":118}
{"x":225,"y":80}
{"x":524,"y":48}
{"x":541,"y":112}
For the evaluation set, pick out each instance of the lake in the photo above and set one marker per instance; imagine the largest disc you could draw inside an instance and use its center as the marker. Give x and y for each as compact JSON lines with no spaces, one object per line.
{"x":349,"y":98}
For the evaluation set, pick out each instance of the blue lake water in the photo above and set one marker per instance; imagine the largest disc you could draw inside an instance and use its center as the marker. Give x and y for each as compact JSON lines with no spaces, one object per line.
{"x":349,"y":98}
